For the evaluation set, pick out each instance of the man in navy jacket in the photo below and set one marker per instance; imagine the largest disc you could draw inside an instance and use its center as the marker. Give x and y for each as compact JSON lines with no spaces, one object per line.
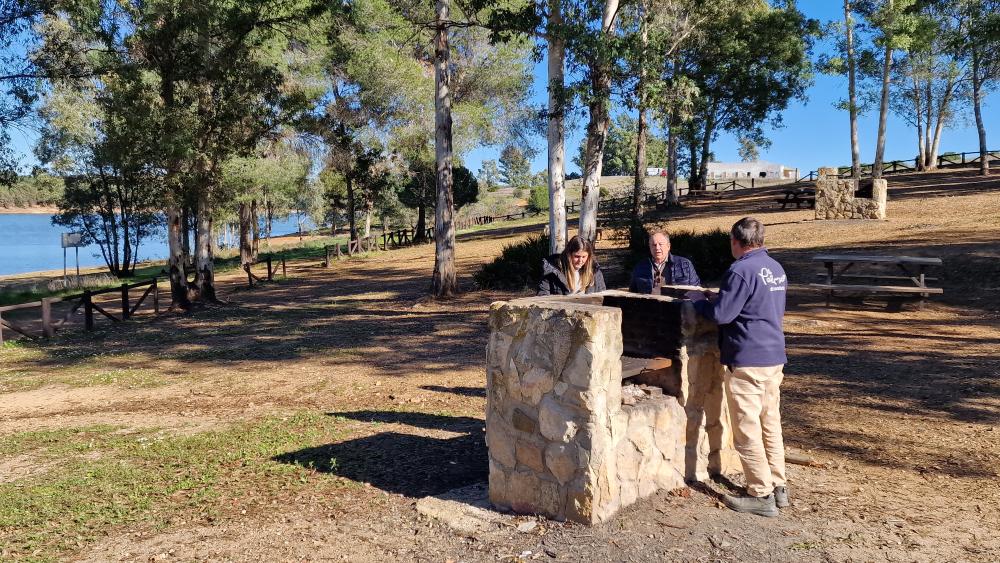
{"x":662,"y":268}
{"x":749,"y":309}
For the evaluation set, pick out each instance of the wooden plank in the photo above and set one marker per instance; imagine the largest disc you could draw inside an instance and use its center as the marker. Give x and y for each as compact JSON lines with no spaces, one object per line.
{"x":877,"y":259}
{"x":20,"y":306}
{"x":877,"y":288}
{"x":875,"y":276}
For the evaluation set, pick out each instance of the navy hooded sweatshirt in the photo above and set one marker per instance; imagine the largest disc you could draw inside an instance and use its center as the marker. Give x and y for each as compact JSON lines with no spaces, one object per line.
{"x":749,"y":310}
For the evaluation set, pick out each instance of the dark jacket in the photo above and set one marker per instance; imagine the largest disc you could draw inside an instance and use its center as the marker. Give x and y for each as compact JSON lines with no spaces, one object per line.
{"x":678,"y":271}
{"x":554,"y":282}
{"x":750,"y":309}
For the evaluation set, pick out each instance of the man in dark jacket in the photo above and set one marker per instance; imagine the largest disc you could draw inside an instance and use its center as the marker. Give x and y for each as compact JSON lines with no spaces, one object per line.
{"x":662,"y":268}
{"x":749,"y":309}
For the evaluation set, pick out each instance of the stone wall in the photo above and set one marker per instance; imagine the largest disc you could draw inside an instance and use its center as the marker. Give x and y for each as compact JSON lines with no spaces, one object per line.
{"x":561,"y":443}
{"x":835,"y":198}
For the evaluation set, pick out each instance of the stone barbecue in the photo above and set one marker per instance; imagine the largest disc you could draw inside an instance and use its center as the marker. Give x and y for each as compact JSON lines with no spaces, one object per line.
{"x":596,"y":401}
{"x":846,"y":198}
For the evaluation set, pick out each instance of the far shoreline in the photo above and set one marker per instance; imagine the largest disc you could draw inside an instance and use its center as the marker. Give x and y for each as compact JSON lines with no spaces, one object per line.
{"x":29,"y":211}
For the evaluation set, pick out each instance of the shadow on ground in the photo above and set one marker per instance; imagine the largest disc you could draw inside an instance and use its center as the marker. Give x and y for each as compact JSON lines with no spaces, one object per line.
{"x":406,"y":464}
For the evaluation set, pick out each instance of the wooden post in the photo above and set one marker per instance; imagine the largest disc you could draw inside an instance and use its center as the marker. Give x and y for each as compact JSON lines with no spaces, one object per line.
{"x":47,"y":330}
{"x":270,"y":273}
{"x":88,"y":311}
{"x":125,"y":311}
{"x":156,"y":296}
{"x":1,"y":330}
{"x":329,"y":256}
{"x":284,"y":272}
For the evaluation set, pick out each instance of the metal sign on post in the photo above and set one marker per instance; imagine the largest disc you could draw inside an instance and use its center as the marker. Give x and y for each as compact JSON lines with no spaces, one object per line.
{"x":75,"y":241}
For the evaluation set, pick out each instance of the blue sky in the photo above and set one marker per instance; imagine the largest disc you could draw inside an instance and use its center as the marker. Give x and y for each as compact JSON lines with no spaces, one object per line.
{"x":815,"y":133}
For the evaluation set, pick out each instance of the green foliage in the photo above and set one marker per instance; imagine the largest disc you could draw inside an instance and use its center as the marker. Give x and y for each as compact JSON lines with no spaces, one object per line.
{"x":518,"y":266}
{"x":538,"y":199}
{"x":515,"y":170}
{"x":620,"y":148}
{"x":40,"y":189}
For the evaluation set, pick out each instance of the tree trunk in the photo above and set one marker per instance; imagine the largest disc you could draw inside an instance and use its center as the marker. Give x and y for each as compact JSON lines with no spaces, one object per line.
{"x":445,"y":281}
{"x":246,"y":247}
{"x":672,"y":196}
{"x":186,"y":229}
{"x":420,"y":234}
{"x":883,"y":111}
{"x":368,"y":222}
{"x":639,"y":185}
{"x":942,"y":116}
{"x":254,"y":230}
{"x":175,"y":263}
{"x":556,"y":133}
{"x":352,"y":221}
{"x":597,"y":127}
{"x":204,"y":264}
{"x":693,"y":166}
{"x":706,"y":146}
{"x":928,"y":123}
{"x":852,"y":93}
{"x":977,"y":99}
{"x":918,"y":105}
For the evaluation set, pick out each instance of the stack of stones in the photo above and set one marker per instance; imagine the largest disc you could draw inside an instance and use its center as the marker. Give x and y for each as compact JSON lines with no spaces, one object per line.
{"x":561,"y":443}
{"x":835,"y":198}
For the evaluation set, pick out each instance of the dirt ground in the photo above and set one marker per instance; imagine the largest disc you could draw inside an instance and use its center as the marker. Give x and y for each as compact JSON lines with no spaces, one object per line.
{"x":902,"y":408}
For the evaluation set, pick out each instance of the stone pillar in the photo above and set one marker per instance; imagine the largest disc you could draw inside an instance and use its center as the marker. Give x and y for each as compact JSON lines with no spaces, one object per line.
{"x":561,"y":443}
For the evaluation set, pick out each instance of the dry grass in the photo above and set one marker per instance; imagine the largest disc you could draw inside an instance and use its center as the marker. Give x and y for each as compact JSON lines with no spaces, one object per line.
{"x":306,"y":415}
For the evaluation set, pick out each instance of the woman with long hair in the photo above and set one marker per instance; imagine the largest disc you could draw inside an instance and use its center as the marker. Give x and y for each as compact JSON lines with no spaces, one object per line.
{"x":573,"y":271}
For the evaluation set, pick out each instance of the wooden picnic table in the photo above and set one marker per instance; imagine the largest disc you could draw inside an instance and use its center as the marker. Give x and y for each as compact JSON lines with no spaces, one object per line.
{"x":841,"y":268}
{"x":798,"y":196}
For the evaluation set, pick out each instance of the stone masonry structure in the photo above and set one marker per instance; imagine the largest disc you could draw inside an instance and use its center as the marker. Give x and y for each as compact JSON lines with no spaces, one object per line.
{"x":838,"y":198}
{"x":565,"y":440}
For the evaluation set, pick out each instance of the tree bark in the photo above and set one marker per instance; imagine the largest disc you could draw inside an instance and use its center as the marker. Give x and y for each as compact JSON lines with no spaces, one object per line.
{"x":254,"y":231}
{"x":639,"y":185}
{"x":556,"y":131}
{"x":852,"y":93}
{"x":693,"y":165}
{"x":175,"y":263}
{"x":445,"y":280}
{"x":918,"y":105}
{"x":883,"y":109}
{"x":246,"y":247}
{"x":352,"y":220}
{"x":597,"y":128}
{"x":204,"y":264}
{"x":706,"y":149}
{"x":420,"y":234}
{"x":977,"y":99}
{"x":672,"y":195}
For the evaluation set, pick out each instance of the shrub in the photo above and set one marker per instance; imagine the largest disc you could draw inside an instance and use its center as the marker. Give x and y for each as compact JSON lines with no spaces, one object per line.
{"x":538,"y":200}
{"x":709,"y":251}
{"x":518,"y":266}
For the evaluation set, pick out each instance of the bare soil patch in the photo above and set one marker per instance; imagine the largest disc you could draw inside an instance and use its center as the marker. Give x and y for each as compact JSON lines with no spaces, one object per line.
{"x":903,"y":407}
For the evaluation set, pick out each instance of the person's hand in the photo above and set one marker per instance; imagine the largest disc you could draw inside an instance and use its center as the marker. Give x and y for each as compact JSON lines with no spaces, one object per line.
{"x":710,"y":295}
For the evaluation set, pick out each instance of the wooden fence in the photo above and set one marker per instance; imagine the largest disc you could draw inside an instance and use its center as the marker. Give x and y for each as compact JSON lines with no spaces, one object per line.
{"x":49,"y":326}
{"x":272,"y":268}
{"x":947,"y":160}
{"x":366,"y":244}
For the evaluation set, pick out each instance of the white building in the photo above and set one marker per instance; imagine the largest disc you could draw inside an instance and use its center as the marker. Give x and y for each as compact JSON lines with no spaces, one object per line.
{"x":754,"y":169}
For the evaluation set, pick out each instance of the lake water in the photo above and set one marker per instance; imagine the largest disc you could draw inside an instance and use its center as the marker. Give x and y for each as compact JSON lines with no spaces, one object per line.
{"x":31,"y":243}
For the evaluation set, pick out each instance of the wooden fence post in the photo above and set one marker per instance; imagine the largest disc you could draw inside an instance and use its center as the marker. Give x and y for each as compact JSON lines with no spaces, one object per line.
{"x":88,"y":311}
{"x":284,"y":271}
{"x":125,"y":311}
{"x":1,"y":329}
{"x":156,"y":296}
{"x":270,"y":274}
{"x":47,"y":330}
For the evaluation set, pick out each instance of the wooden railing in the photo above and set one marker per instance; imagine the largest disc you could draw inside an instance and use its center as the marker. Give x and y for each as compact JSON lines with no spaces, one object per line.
{"x":948,"y":160}
{"x":85,"y":300}
{"x":366,"y":244}
{"x":272,"y":268}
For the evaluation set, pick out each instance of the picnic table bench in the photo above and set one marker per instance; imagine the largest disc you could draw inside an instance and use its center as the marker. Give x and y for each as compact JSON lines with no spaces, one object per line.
{"x":798,"y":196}
{"x":912,"y":269}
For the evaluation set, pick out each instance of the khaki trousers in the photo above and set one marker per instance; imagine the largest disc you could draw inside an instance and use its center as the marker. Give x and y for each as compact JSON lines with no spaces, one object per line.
{"x":754,"y":398}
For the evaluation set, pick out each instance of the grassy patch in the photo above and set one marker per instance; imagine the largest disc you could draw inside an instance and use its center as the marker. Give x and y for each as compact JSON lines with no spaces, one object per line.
{"x":146,"y":479}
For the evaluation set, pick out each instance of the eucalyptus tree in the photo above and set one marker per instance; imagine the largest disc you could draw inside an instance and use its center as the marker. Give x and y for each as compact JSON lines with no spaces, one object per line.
{"x":980,"y":46}
{"x":747,"y":69}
